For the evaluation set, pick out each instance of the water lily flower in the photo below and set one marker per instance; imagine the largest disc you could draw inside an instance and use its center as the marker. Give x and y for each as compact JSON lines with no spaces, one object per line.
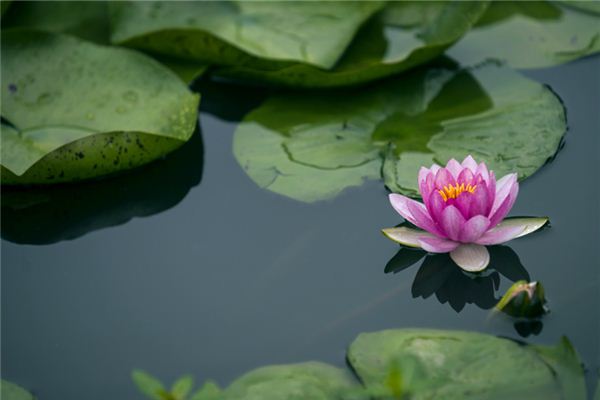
{"x":463,"y":211}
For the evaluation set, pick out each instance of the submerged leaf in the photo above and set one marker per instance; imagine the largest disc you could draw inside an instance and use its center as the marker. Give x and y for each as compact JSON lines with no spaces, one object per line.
{"x":530,"y":34}
{"x":460,"y":365}
{"x":149,"y":385}
{"x":310,"y":146}
{"x":241,"y":32}
{"x":79,"y":110}
{"x":404,"y":35}
{"x":209,"y":391}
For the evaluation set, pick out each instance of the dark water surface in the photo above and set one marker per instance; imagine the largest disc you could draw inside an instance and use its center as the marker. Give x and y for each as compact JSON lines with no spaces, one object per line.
{"x":231,"y":277}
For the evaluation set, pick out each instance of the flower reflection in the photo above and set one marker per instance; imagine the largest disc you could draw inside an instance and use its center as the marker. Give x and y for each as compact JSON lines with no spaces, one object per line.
{"x":439,"y":275}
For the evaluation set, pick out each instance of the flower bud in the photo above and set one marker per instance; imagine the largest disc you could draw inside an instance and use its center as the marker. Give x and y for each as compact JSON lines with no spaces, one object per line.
{"x":523,"y":299}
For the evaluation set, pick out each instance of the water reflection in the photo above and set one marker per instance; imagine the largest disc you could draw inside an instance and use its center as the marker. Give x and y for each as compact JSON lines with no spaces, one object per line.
{"x":64,"y":212}
{"x":440,"y":276}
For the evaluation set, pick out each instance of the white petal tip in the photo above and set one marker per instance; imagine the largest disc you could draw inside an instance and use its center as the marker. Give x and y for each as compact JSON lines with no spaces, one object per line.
{"x":471,"y":257}
{"x":405,"y":236}
{"x":529,"y":224}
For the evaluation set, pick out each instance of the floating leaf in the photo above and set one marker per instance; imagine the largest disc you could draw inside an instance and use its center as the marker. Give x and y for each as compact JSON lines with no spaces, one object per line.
{"x":531,"y":34}
{"x":404,"y":35}
{"x":460,"y":365}
{"x":309,"y":380}
{"x":85,"y":19}
{"x":564,"y":361}
{"x":241,"y":32}
{"x":4,"y":4}
{"x":310,"y":146}
{"x":78,"y":110}
{"x":10,"y":391}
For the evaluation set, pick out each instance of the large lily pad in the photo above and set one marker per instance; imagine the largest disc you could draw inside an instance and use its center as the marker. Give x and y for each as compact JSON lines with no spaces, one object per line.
{"x":311,"y":146}
{"x":241,"y":32}
{"x":11,"y":391}
{"x":437,"y":364}
{"x":531,"y":34}
{"x":39,"y":216}
{"x":309,"y":380}
{"x":404,"y":35}
{"x":85,"y":19}
{"x":77,"y":110}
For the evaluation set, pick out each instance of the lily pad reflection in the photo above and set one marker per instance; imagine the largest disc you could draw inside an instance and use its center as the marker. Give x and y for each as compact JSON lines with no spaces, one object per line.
{"x":51,"y":214}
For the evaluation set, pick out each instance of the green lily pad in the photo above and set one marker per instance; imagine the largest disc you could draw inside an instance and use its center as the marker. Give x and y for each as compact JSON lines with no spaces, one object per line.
{"x":239,"y":32}
{"x":404,"y":35}
{"x":309,"y":380}
{"x":311,"y":146}
{"x":437,"y":364}
{"x":4,"y":4}
{"x":566,"y":364}
{"x":531,"y":34}
{"x":85,"y":19}
{"x":10,"y":391}
{"x":76,"y":110}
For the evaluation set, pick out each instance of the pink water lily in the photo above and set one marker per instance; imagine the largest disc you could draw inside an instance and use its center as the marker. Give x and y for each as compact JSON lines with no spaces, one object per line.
{"x":463,"y":211}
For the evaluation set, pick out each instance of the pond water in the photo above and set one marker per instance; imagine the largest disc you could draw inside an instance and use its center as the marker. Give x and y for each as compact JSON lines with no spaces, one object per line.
{"x":219,"y":276}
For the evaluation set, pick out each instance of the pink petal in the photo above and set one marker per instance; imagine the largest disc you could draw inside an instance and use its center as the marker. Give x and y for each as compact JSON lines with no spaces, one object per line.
{"x":435,"y":205}
{"x":434,"y":168}
{"x":483,"y":171}
{"x":474,"y":228}
{"x":407,"y":208}
{"x":454,"y":167}
{"x":471,"y":257}
{"x":426,"y":178}
{"x":437,"y":245}
{"x":470,"y":163}
{"x":465,"y":176}
{"x":463,"y":203}
{"x":504,"y":208}
{"x":491,"y":187}
{"x":480,"y":201}
{"x":423,"y":219}
{"x":500,"y":234}
{"x":452,"y":222}
{"x":503,"y":187}
{"x":443,"y":178}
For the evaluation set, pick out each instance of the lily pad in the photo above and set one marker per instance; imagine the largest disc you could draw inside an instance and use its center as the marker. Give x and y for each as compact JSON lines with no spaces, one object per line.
{"x":85,"y":19}
{"x":403,"y":35}
{"x":10,"y":391}
{"x":531,"y":34}
{"x":311,"y":146}
{"x":309,"y":380}
{"x":39,"y":216}
{"x":76,"y":110}
{"x":465,"y":365}
{"x":241,"y":32}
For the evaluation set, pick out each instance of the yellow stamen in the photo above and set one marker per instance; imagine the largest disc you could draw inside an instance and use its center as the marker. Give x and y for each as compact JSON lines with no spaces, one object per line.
{"x":452,"y":192}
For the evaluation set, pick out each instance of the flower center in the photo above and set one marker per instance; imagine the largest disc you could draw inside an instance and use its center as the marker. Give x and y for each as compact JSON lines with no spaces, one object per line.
{"x":453,"y":191}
